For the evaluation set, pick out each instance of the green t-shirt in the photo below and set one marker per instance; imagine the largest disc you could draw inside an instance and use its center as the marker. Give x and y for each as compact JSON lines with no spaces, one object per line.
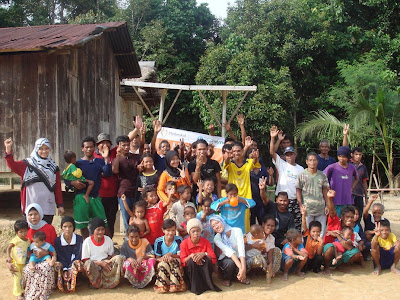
{"x":311,"y":186}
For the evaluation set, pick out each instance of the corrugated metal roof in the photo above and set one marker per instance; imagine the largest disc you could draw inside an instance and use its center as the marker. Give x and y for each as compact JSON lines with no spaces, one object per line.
{"x":46,"y":37}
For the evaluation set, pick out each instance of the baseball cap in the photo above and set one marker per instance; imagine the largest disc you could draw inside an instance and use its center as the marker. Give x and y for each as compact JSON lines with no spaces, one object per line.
{"x":289,"y":149}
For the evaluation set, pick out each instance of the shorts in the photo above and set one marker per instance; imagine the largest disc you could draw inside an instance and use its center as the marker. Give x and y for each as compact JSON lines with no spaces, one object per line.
{"x":293,"y":268}
{"x":84,"y":212}
{"x":346,"y":255}
{"x":386,"y":257}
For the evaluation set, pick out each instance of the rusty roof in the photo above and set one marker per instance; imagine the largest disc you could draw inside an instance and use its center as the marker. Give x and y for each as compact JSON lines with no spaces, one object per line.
{"x":47,"y":37}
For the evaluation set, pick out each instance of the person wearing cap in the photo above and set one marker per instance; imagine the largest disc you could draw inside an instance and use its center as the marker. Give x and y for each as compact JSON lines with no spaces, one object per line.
{"x":288,"y":172}
{"x":109,"y":185}
{"x":102,"y":268}
{"x":69,"y":249}
{"x":198,"y":257}
{"x":342,"y":177}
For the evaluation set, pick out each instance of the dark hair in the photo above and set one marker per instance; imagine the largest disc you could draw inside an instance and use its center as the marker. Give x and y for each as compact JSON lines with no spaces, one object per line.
{"x":69,"y":156}
{"x":287,"y":138}
{"x":163,"y":142}
{"x":208,"y":179}
{"x":346,"y":209}
{"x":268,"y":217}
{"x":311,"y":154}
{"x":292,"y":234}
{"x":148,"y":189}
{"x":345,"y":228}
{"x":226,"y":147}
{"x":314,"y":224}
{"x":182,"y":188}
{"x":170,"y":183}
{"x":146,"y":155}
{"x":123,"y":139}
{"x":140,"y":203}
{"x":283,"y":194}
{"x":356,"y":149}
{"x":88,"y":139}
{"x":20,"y":224}
{"x":239,"y":144}
{"x":206,"y":199}
{"x":188,"y":206}
{"x":199,"y":141}
{"x":40,"y":235}
{"x":229,"y":139}
{"x":168,"y":223}
{"x":132,"y":228}
{"x":231,"y":187}
{"x":384,"y":223}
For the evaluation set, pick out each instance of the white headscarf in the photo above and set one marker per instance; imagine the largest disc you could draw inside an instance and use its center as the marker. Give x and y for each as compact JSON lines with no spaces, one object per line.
{"x":41,"y":223}
{"x":40,"y":169}
{"x":224,"y":236}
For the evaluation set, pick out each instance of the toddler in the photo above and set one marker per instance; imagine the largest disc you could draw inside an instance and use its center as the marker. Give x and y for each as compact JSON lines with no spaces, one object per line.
{"x":294,"y":255}
{"x":137,"y":217}
{"x":189,"y":213}
{"x":204,"y":217}
{"x":17,"y":252}
{"x":177,"y":209}
{"x":72,"y":172}
{"x":344,"y":241}
{"x":39,"y":243}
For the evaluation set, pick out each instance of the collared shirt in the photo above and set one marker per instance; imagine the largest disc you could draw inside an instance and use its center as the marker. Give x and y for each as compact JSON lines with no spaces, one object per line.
{"x":204,"y":245}
{"x":93,"y":170}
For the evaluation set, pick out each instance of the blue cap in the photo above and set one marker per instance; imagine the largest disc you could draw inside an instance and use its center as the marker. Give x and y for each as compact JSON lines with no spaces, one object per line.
{"x":289,"y":149}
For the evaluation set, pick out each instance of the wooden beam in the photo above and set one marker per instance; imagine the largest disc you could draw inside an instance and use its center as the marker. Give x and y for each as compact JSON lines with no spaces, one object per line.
{"x":238,"y":107}
{"x":232,"y":88}
{"x":156,"y":85}
{"x":144,"y":103}
{"x":223,"y":121}
{"x":162,"y":104}
{"x":172,"y":105}
{"x":210,"y":109}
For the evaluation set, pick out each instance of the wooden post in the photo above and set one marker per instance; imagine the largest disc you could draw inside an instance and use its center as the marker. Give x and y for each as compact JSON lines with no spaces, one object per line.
{"x":162,"y":104}
{"x":223,"y":121}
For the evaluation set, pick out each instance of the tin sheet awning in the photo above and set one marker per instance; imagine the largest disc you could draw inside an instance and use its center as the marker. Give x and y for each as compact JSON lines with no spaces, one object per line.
{"x":164,"y":87}
{"x":66,"y":36}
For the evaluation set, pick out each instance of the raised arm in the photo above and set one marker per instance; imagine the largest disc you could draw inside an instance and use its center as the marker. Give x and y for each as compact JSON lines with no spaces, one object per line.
{"x":157,"y":126}
{"x":248,"y":142}
{"x":368,"y":206}
{"x":138,"y":123}
{"x":228,"y":128}
{"x":130,"y":213}
{"x":261,"y":185}
{"x":240,"y":120}
{"x":273,"y":132}
{"x":331,"y":207}
{"x":346,"y":130}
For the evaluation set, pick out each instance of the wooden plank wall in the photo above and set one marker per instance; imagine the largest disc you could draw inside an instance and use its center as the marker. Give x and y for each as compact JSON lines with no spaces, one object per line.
{"x":62,"y":97}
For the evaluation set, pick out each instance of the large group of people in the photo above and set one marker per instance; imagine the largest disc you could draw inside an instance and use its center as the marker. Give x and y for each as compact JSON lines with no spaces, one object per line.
{"x":187,"y":216}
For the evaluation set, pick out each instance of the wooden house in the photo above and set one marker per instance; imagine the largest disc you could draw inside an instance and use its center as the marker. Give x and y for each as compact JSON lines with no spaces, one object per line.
{"x":62,"y":82}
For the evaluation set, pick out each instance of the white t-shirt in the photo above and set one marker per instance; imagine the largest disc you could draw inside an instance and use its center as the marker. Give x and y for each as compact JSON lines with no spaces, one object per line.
{"x":97,"y":252}
{"x":237,"y":243}
{"x":287,"y":177}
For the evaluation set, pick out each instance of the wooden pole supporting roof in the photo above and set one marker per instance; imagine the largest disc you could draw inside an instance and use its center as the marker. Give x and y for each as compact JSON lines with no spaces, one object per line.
{"x":165,"y":87}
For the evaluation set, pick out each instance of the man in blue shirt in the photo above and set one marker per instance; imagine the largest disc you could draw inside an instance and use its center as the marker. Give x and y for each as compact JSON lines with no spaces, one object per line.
{"x":324,"y":159}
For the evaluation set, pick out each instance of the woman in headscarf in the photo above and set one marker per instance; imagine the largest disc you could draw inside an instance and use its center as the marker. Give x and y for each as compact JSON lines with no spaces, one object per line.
{"x":69,"y":251}
{"x":198,"y":257}
{"x":40,"y":178}
{"x":102,"y":268}
{"x":40,"y":282}
{"x":232,"y":261}
{"x":173,"y":172}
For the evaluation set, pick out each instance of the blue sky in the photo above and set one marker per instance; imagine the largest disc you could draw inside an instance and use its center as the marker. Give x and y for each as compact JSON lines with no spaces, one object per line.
{"x":218,"y":7}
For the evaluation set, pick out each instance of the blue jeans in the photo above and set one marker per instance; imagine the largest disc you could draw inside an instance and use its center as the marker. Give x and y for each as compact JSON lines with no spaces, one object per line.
{"x":125,"y":215}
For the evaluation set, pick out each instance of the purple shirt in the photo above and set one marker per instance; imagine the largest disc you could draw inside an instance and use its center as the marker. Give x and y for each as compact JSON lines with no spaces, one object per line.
{"x":340,"y":180}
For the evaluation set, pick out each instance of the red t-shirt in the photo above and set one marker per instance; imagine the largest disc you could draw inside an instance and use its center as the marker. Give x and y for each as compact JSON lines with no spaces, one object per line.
{"x":109,"y":185}
{"x":48,"y":230}
{"x":333,"y":224}
{"x":155,"y":217}
{"x":204,"y":245}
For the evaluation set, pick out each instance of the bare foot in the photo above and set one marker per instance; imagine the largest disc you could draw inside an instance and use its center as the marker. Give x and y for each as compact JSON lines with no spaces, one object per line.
{"x":226,"y":283}
{"x":285,"y":276}
{"x":377,"y":271}
{"x":395,"y":270}
{"x":327,"y":272}
{"x":301,"y":274}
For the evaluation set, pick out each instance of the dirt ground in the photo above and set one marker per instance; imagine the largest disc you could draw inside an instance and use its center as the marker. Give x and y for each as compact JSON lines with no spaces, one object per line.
{"x":357,"y":285}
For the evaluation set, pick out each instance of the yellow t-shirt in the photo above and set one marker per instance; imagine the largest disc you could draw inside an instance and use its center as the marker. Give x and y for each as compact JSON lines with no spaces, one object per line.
{"x":241,"y":176}
{"x":19,"y":252}
{"x":388,"y":243}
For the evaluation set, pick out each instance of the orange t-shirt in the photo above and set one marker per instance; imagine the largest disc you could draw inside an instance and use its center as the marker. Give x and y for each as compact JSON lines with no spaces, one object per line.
{"x":311,"y":245}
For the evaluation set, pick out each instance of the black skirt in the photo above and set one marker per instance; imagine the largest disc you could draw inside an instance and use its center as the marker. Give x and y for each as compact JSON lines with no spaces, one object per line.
{"x":199,"y":278}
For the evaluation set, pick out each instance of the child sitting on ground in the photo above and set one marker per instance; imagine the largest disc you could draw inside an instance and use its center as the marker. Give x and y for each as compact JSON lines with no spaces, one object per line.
{"x":72,"y":172}
{"x":294,"y":255}
{"x":273,"y":255}
{"x":370,"y":220}
{"x":385,"y":249}
{"x":17,"y":251}
{"x":314,"y":243}
{"x":39,"y":243}
{"x":189,"y":213}
{"x":256,"y":247}
{"x":204,"y":217}
{"x":342,"y":243}
{"x":206,"y":188}
{"x":177,"y":209}
{"x":155,"y":212}
{"x":137,"y":217}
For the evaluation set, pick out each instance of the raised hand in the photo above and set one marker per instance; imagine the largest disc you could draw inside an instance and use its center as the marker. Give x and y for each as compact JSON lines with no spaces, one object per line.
{"x":240,"y":119}
{"x":248,"y":142}
{"x":262,"y":183}
{"x":143,"y":129}
{"x":281,"y":135}
{"x":182,"y":172}
{"x":346,"y":129}
{"x":303,"y":209}
{"x":227,"y":126}
{"x":140,"y":166}
{"x":105,"y":152}
{"x":157,"y":126}
{"x":273,"y":132}
{"x":138,"y":123}
{"x":8,"y":143}
{"x":373,"y":197}
{"x":377,"y":230}
{"x":200,"y":184}
{"x":331,"y":194}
